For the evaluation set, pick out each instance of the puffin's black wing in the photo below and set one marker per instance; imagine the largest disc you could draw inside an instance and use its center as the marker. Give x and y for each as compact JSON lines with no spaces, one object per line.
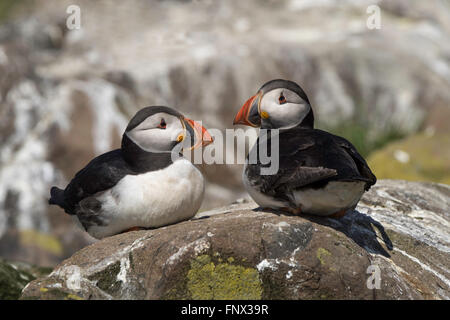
{"x":102,"y":173}
{"x":309,"y":158}
{"x":360,"y":162}
{"x":302,"y":176}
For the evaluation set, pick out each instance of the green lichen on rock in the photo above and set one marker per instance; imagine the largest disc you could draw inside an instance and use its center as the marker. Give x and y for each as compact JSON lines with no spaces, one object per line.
{"x":207,"y":280}
{"x":55,"y":294}
{"x":321,"y":254}
{"x":73,"y":297}
{"x":107,"y":278}
{"x":12,"y":281}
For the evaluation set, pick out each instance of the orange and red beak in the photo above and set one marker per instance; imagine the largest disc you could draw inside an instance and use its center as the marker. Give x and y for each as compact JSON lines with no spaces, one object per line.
{"x":202,"y":136}
{"x":249,"y":113}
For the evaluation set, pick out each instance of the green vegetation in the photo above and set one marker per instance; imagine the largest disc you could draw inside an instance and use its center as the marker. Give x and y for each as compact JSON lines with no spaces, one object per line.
{"x":12,"y":281}
{"x":426,"y":157}
{"x":417,"y":158}
{"x":7,"y":6}
{"x":359,"y":136}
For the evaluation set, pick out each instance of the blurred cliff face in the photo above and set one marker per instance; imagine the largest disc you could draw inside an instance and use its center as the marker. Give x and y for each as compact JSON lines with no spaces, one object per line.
{"x":67,"y":95}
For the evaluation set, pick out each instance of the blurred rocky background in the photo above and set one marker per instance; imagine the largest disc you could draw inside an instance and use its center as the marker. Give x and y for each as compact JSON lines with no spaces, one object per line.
{"x":67,"y":95}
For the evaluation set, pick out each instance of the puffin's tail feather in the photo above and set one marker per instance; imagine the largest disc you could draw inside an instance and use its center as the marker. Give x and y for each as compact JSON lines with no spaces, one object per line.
{"x":57,"y":197}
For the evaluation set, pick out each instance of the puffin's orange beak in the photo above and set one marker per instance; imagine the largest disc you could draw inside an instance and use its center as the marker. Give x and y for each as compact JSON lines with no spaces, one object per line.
{"x":202,"y":135}
{"x":248,"y":115}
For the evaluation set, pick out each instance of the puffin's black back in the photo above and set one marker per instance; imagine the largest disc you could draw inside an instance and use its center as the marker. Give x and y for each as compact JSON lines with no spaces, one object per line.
{"x":310,"y":158}
{"x":101,"y":173}
{"x":105,"y":171}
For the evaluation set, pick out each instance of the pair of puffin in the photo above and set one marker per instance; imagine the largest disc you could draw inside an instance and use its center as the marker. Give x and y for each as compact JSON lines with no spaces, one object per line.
{"x":142,"y":185}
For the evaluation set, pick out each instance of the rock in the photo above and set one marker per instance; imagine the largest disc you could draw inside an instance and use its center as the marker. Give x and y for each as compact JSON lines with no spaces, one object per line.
{"x":399,"y":234}
{"x":15,"y":275}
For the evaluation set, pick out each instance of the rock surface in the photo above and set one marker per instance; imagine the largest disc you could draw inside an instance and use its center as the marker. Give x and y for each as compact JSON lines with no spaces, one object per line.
{"x":399,"y":228}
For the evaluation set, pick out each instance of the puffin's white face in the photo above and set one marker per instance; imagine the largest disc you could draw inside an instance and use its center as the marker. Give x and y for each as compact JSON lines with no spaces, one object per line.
{"x":159,"y":132}
{"x":282,"y":108}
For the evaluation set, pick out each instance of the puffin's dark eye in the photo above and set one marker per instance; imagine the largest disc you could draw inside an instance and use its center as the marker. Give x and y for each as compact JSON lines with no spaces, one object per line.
{"x":282,"y":99}
{"x":162,"y":124}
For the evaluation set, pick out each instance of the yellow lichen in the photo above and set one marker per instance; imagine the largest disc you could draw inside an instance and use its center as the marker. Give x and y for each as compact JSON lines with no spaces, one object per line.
{"x":206,"y":280}
{"x":73,"y":297}
{"x":321,"y":254}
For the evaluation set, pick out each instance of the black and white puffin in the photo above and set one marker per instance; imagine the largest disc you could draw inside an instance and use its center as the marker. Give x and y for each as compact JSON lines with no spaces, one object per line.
{"x":319,"y":173}
{"x":139,"y":185}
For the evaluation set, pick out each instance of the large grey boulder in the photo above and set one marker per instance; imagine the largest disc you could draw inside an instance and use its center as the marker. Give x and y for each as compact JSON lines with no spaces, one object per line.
{"x":395,"y":245}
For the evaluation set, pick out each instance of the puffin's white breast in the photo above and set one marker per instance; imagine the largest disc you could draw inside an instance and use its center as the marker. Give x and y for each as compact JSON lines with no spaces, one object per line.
{"x":336,"y":195}
{"x":152,"y":199}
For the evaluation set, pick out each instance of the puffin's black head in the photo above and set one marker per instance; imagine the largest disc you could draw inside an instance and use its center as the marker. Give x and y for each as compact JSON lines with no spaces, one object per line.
{"x":160,"y":129}
{"x":278,"y":104}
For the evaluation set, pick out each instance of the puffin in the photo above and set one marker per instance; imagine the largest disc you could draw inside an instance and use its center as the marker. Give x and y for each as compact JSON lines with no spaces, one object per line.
{"x":147,"y":183}
{"x":319,"y":173}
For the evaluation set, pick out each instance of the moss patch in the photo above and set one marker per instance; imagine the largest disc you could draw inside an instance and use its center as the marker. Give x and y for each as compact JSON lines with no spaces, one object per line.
{"x":35,"y":271}
{"x":12,"y":281}
{"x":207,"y":280}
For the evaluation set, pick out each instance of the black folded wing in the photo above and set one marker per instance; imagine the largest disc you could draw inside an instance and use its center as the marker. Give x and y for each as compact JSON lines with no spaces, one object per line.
{"x":101,"y":174}
{"x":309,"y":158}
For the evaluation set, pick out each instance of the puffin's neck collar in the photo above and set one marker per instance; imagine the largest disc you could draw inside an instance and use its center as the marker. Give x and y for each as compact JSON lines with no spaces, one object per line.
{"x":307,"y":123}
{"x":141,"y":160}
